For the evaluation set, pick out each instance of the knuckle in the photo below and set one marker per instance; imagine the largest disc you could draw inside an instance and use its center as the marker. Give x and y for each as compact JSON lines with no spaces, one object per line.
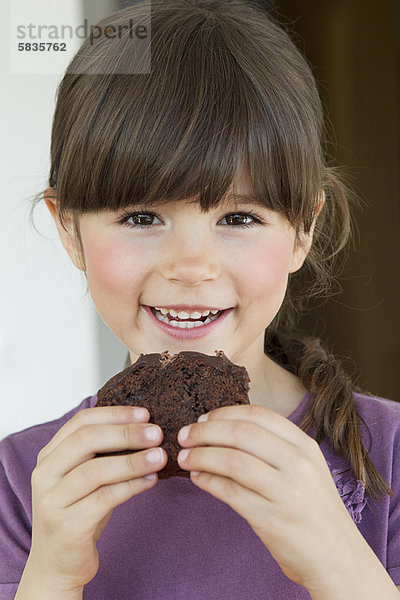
{"x":85,"y":436}
{"x":41,"y":455}
{"x":46,"y":504}
{"x":312,"y":445}
{"x":116,"y":410}
{"x":259,"y":411}
{"x":127,"y":435}
{"x":80,"y":418}
{"x":242,"y":429}
{"x":290,"y":454}
{"x":92,"y":472}
{"x":119,"y":411}
{"x":235,"y":462}
{"x":310,"y":449}
{"x":104,"y":495}
{"x":304,"y":464}
{"x":36,"y":477}
{"x":50,"y":517}
{"x":132,"y":462}
{"x":231,"y":489}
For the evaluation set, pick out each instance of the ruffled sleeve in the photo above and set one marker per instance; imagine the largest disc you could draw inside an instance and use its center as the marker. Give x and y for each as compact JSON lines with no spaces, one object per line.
{"x":351,"y":491}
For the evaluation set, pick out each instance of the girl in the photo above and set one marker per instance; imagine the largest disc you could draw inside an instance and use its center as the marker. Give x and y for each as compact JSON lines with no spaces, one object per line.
{"x":202,"y":185}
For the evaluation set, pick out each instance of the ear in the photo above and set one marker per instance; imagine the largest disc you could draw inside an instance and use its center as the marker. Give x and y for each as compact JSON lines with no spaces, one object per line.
{"x":68,"y":235}
{"x":304,"y":241}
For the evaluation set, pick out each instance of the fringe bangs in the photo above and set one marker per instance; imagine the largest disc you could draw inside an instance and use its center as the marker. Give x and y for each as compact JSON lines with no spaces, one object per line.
{"x":185,"y":130}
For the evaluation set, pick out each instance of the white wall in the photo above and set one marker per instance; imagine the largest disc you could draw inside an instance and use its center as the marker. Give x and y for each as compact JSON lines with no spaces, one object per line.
{"x":48,"y":327}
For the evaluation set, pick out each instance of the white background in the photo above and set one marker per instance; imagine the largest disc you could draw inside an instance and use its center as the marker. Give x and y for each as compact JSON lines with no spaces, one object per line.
{"x":54,"y":349}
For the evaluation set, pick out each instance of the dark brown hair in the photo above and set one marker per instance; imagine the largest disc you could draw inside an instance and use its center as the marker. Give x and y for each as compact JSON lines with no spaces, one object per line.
{"x":227,"y":85}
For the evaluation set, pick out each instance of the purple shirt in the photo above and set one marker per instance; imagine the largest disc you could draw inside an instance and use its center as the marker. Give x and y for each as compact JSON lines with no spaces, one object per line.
{"x":177,"y":542}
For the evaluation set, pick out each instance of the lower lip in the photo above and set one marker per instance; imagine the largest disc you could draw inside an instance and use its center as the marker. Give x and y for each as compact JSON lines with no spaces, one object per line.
{"x":188,"y":334}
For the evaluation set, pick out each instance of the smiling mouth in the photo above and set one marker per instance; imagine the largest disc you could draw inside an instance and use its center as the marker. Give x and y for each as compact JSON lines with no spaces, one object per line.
{"x":185,"y":323}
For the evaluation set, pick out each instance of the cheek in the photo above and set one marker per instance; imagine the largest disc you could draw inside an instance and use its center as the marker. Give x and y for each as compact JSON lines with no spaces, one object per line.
{"x":266,"y":274}
{"x":111,"y":268}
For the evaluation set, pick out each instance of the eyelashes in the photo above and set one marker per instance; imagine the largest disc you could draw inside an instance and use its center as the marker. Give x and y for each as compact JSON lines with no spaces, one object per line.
{"x":126,"y":216}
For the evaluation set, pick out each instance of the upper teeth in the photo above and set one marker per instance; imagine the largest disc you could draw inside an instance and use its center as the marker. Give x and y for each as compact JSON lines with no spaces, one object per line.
{"x":185,"y":315}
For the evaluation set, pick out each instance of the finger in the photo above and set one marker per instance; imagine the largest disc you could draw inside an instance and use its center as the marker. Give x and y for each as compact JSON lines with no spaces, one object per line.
{"x":96,"y":416}
{"x":99,"y":472}
{"x":246,"y":503}
{"x":263,"y":416}
{"x":243,"y":435}
{"x":246,"y":470}
{"x":89,"y":511}
{"x":85,"y":442}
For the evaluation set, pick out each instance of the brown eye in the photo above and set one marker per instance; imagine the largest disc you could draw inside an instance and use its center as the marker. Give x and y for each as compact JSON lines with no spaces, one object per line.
{"x":137,"y":220}
{"x":145,"y":220}
{"x":237,"y":219}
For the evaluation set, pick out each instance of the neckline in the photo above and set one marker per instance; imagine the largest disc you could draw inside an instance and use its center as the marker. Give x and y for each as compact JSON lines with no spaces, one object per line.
{"x":297,"y":414}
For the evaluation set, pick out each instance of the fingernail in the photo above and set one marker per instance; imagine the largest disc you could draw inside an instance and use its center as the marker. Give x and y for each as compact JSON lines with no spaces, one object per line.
{"x":154,"y":456}
{"x":152,"y":432}
{"x":139,"y":413}
{"x":184,"y":432}
{"x":202,"y":418}
{"x":183,"y":454}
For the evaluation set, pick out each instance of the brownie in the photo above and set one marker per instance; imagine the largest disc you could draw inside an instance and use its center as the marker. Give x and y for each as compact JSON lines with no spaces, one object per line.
{"x":176,"y":390}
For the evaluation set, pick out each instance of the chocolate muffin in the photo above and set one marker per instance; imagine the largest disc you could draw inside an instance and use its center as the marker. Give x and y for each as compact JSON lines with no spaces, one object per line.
{"x":176,"y":390}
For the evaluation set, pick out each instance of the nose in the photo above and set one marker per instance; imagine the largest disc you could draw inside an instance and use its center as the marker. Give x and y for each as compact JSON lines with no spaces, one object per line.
{"x":192,"y":258}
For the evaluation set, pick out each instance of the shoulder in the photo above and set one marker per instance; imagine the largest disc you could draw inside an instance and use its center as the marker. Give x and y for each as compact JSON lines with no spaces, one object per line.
{"x":379,"y":420}
{"x":382,"y":414}
{"x":23,"y":446}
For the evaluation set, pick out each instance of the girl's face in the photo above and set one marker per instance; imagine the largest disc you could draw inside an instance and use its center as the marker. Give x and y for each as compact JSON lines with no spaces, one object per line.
{"x":236,"y":257}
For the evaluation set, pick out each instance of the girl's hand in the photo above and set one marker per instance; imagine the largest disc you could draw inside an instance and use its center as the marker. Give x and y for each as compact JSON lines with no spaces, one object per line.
{"x":74,"y":492}
{"x":275,"y":476}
